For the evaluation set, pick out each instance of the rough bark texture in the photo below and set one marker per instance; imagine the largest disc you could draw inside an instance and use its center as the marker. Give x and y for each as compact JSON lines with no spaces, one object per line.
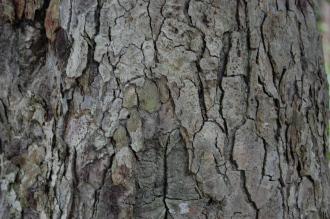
{"x":162,"y":109}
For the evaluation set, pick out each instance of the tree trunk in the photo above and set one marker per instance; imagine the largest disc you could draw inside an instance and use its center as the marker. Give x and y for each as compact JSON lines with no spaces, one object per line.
{"x":162,"y":109}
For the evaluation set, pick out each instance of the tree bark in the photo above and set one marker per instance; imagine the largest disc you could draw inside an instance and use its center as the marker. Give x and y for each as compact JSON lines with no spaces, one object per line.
{"x":162,"y":109}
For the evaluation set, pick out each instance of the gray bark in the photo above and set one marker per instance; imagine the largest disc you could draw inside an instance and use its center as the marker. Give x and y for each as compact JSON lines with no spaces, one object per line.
{"x":162,"y":109}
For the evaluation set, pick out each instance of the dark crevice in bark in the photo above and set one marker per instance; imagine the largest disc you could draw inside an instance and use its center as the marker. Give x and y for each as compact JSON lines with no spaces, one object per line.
{"x":279,"y":139}
{"x":74,"y":189}
{"x":263,"y":86}
{"x":186,"y":12}
{"x":229,"y":153}
{"x":210,"y":87}
{"x":5,"y":112}
{"x":248,"y":195}
{"x":222,"y":72}
{"x":98,"y":17}
{"x":237,"y":15}
{"x":40,"y":14}
{"x":201,"y":88}
{"x":154,"y":36}
{"x":201,"y":100}
{"x":70,"y":15}
{"x":48,"y":187}
{"x":97,"y":192}
{"x":165,"y":181}
{"x":197,"y":62}
{"x":61,"y":47}
{"x":264,"y":162}
{"x":247,"y":79}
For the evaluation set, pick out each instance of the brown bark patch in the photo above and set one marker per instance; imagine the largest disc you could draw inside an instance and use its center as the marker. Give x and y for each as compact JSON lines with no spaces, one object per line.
{"x":52,"y":19}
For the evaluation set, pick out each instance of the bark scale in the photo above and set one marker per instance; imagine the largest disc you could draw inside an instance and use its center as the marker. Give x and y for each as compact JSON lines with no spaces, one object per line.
{"x":162,"y":109}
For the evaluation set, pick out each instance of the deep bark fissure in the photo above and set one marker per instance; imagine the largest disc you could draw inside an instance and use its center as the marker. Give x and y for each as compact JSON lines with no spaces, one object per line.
{"x":162,"y":109}
{"x":165,"y":186}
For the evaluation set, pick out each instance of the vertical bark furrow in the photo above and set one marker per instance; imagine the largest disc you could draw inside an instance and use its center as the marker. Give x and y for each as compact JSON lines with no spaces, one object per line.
{"x":162,"y":109}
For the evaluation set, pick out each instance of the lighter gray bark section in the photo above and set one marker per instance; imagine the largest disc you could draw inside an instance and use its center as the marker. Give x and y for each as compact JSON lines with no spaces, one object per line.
{"x":163,"y":109}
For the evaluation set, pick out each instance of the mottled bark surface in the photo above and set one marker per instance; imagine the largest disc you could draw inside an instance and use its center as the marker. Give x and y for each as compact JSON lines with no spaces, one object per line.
{"x":162,"y":109}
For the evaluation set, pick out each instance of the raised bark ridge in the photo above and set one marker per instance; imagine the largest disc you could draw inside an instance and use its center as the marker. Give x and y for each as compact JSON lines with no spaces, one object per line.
{"x":162,"y":109}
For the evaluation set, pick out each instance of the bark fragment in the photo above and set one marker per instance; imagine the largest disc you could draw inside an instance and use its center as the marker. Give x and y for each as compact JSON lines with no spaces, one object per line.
{"x":162,"y":109}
